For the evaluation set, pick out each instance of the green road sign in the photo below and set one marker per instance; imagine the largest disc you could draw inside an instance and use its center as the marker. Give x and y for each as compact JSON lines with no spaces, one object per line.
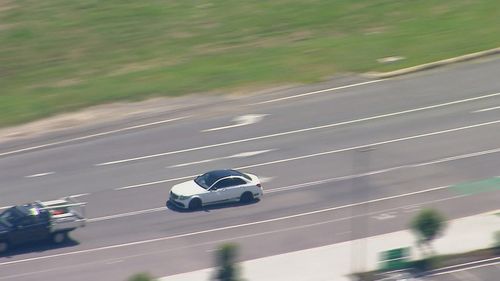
{"x":395,"y":259}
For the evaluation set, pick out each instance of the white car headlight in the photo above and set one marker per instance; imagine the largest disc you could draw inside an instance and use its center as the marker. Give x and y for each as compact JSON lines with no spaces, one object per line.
{"x":182,"y":197}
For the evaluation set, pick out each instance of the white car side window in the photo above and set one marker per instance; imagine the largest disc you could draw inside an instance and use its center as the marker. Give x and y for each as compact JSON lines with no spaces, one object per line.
{"x":238,"y":181}
{"x":224,"y":183}
{"x":221,"y":184}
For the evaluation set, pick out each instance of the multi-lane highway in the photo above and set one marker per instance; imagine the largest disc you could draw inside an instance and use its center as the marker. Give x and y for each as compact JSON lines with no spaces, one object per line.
{"x":339,"y":161}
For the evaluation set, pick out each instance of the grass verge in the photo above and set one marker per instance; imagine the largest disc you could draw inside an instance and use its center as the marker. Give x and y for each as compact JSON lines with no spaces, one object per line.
{"x":58,"y":55}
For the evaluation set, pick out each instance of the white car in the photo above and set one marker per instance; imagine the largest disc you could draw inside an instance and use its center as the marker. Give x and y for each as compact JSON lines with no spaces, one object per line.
{"x":214,"y":187}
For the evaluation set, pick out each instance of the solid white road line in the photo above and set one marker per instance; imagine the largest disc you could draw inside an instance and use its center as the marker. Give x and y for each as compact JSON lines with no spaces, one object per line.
{"x":495,"y":261}
{"x":93,"y":136}
{"x":319,"y":92}
{"x":221,"y":228}
{"x":470,"y":263}
{"x":458,"y":157}
{"x":40,"y":175}
{"x":296,"y":131}
{"x":486,"y":109}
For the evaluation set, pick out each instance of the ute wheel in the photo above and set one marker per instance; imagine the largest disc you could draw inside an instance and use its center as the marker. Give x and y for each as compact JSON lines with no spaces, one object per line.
{"x":4,"y":246}
{"x":195,"y":204}
{"x":246,"y":197}
{"x":59,"y":237}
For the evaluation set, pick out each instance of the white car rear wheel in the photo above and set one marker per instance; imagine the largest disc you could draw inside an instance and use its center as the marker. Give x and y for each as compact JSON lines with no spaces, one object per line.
{"x":246,"y":197}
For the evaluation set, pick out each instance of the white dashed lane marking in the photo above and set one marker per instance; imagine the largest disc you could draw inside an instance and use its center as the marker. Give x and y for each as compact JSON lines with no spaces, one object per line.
{"x":296,"y":131}
{"x":447,"y":159}
{"x":40,"y":175}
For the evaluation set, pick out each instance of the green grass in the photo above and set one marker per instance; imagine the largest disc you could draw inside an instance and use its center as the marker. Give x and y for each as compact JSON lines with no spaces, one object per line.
{"x":59,"y":55}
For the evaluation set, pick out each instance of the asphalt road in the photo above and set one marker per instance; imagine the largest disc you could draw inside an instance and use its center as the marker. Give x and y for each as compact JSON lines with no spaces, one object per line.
{"x":339,"y":160}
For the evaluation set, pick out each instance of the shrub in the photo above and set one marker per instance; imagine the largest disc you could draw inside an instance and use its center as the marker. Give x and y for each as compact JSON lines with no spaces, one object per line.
{"x":226,"y":261}
{"x":426,"y":264}
{"x":143,"y":276}
{"x":428,"y":225}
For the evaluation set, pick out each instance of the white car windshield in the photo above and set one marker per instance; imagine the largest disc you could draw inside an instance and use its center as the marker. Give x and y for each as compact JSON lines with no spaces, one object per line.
{"x":202,"y":181}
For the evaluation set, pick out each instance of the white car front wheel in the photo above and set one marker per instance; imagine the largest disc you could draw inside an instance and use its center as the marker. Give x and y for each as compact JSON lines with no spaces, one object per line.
{"x":195,"y":204}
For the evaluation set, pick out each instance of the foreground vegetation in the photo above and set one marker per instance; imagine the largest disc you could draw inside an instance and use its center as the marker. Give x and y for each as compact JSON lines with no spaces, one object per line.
{"x":435,"y":263}
{"x":427,"y":225}
{"x":59,"y":55}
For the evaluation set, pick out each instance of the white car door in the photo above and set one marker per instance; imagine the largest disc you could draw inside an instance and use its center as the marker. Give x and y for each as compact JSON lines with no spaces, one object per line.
{"x":217,"y":192}
{"x":226,"y":189}
{"x":211,"y":197}
{"x":236,"y":188}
